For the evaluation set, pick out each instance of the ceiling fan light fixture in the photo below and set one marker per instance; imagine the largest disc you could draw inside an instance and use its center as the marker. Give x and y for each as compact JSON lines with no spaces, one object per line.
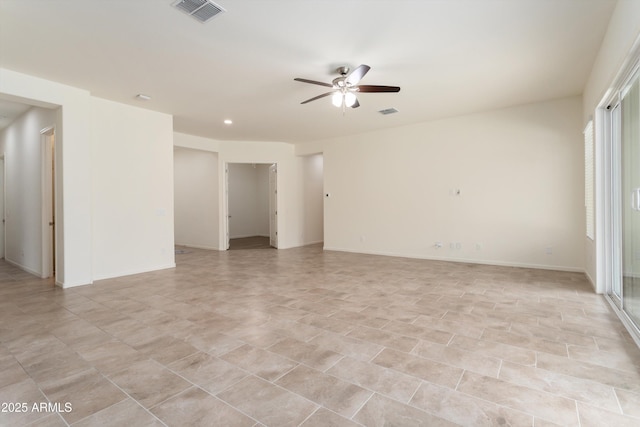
{"x":349,"y":99}
{"x":336,"y":99}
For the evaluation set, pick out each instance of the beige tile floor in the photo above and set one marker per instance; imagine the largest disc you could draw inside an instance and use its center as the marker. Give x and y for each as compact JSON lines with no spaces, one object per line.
{"x":302,"y":337}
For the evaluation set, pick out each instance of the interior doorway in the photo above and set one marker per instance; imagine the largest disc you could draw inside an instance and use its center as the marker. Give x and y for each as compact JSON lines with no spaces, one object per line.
{"x":48,"y":203}
{"x":31,"y":143}
{"x":251,"y":191}
{"x":313,"y":199}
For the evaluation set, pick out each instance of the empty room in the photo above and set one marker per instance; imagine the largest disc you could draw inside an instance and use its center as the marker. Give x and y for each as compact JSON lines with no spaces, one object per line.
{"x":319,"y":213}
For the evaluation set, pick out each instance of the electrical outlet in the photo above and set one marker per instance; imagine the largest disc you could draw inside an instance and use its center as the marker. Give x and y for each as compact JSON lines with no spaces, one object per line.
{"x":438,"y":245}
{"x":548,"y":250}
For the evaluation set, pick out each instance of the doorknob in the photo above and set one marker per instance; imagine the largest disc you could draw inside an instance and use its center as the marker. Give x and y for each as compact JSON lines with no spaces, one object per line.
{"x":51,"y":223}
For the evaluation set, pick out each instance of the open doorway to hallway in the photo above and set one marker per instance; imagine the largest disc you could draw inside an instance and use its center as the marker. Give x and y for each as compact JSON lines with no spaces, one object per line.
{"x":252,"y":206}
{"x":28,"y":148}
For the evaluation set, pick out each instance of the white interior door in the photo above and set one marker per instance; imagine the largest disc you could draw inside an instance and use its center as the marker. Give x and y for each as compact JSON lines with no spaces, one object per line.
{"x":273,"y":205}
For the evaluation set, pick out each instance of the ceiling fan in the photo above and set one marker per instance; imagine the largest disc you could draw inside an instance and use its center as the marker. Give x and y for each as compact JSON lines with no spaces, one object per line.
{"x":345,"y":87}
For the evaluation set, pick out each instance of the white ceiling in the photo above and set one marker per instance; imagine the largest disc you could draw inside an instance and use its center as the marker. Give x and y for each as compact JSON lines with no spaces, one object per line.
{"x":450,"y":57}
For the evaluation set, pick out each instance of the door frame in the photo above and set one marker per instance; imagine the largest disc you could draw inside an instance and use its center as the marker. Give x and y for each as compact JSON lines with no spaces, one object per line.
{"x":273,"y":205}
{"x":226,"y":207}
{"x":608,"y":191}
{"x":225,"y":201}
{"x":48,"y":205}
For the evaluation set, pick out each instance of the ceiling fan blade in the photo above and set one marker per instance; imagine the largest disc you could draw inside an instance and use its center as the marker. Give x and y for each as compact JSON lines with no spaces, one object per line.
{"x":356,"y":75}
{"x":317,"y":97}
{"x":355,"y":104}
{"x":313,"y":82}
{"x":374,"y":88}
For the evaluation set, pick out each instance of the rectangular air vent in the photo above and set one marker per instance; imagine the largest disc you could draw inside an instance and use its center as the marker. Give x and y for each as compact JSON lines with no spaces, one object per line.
{"x":388,"y":111}
{"x":202,"y":10}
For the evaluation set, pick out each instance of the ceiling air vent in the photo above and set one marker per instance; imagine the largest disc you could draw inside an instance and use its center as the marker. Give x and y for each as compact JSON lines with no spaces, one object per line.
{"x":388,"y":111}
{"x":202,"y":10}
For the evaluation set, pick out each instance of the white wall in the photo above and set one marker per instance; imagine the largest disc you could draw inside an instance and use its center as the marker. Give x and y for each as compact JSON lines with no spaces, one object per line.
{"x":313,"y":198}
{"x":621,"y":37}
{"x":21,"y":144}
{"x":520,"y":176}
{"x":248,"y":200}
{"x":290,"y":207}
{"x":196,"y":198}
{"x":519,"y":172}
{"x":132,"y":168}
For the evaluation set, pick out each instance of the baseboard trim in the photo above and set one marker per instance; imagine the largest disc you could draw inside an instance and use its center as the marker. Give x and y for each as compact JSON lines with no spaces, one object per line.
{"x":315,"y":242}
{"x":593,"y":284}
{"x":461,"y":260}
{"x":66,"y":285}
{"x":244,"y":236}
{"x":208,"y":248}
{"x":24,"y":268}
{"x":134,"y":272}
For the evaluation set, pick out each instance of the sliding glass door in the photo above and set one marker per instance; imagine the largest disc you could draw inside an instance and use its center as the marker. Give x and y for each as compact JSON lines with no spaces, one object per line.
{"x":630,"y":200}
{"x":624,"y":133}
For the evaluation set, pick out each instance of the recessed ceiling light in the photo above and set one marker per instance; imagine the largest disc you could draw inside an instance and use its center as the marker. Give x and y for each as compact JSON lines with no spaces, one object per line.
{"x":228,"y":122}
{"x":143,"y":97}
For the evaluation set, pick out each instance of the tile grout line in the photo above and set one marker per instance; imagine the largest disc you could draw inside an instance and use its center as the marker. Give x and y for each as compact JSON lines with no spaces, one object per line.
{"x":361,"y":406}
{"x":129,"y":396}
{"x":310,"y":415}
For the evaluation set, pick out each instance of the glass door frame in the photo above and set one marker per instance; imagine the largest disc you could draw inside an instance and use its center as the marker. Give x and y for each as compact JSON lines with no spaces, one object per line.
{"x":614,"y":147}
{"x":609,"y":118}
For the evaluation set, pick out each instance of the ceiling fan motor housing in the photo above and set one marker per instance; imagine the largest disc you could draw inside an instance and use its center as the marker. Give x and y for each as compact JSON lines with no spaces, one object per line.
{"x":339,"y":82}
